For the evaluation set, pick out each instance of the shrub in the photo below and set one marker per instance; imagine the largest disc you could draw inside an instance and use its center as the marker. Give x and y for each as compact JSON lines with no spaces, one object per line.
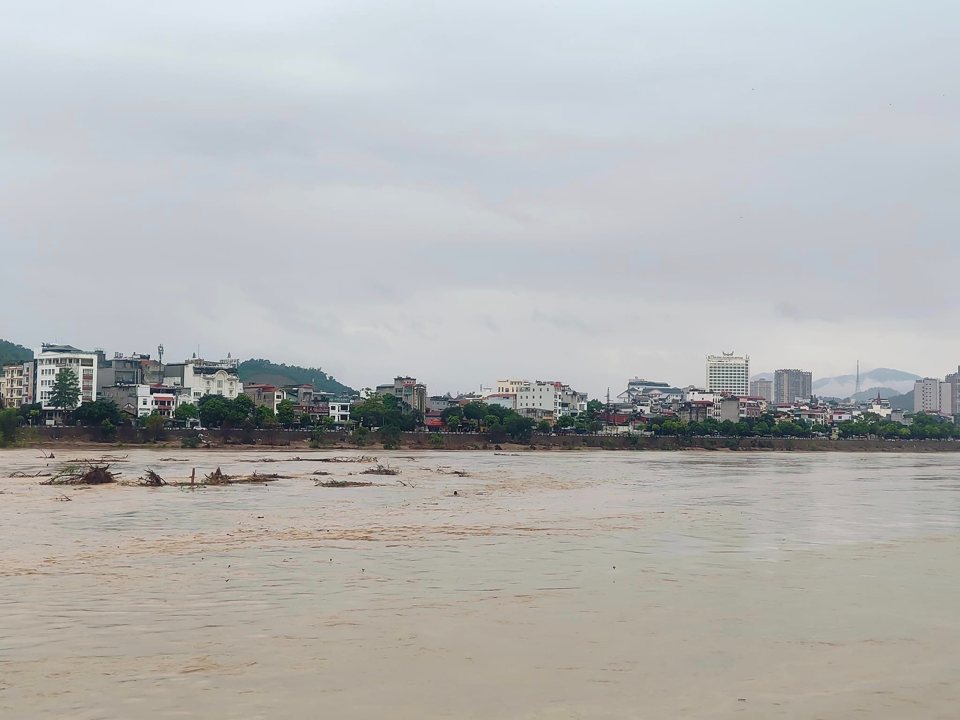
{"x":190,"y":443}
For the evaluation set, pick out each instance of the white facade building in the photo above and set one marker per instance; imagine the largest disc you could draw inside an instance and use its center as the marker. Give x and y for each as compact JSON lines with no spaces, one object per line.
{"x":927,"y":396}
{"x":51,"y":359}
{"x":156,"y":400}
{"x":550,"y":397}
{"x":197,"y":377}
{"x":339,"y":409}
{"x":504,"y":400}
{"x":728,"y":373}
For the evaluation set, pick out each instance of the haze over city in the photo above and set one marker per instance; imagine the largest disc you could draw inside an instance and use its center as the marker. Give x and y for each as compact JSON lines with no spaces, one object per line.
{"x":580,"y":191}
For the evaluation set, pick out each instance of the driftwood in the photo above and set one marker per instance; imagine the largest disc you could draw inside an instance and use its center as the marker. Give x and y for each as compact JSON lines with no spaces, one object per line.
{"x":458,"y":473}
{"x":73,"y":475}
{"x":151,"y":479}
{"x":21,"y":474}
{"x":103,"y":460}
{"x":319,"y":472}
{"x":218,"y":477}
{"x":342,"y":483}
{"x":347,"y":459}
{"x":381,"y":470}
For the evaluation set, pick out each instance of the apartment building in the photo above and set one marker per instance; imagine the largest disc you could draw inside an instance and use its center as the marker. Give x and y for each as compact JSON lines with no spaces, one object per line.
{"x":790,"y":386}
{"x":51,"y":359}
{"x":728,"y":373}
{"x":16,"y":384}
{"x":552,"y":398}
{"x":762,"y":388}
{"x":932,"y":396}
{"x":339,"y":409}
{"x":510,"y":386}
{"x":264,"y":395}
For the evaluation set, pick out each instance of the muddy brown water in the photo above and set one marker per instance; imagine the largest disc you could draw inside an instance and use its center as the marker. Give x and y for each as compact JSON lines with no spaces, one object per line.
{"x":552,"y":585}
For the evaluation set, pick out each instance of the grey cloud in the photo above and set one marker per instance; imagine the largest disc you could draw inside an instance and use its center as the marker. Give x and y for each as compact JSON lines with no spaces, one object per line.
{"x":373,"y":186}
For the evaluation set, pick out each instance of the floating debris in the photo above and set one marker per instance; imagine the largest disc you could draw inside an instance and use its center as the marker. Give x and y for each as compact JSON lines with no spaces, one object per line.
{"x":151,"y":479}
{"x":346,"y":459}
{"x":381,"y":470}
{"x":342,"y":483}
{"x":74,"y":475}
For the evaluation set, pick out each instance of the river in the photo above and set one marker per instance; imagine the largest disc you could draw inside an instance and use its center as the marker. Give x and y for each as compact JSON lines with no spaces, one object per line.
{"x":543,"y":585}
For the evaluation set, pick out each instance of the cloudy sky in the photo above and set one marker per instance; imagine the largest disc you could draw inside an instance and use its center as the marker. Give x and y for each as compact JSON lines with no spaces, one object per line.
{"x":460,"y":190}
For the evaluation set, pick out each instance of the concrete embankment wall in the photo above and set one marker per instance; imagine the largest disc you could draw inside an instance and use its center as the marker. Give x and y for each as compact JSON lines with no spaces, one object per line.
{"x":474,"y":441}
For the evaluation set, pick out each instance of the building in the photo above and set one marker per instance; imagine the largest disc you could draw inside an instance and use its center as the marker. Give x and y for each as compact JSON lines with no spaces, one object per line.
{"x":638,"y":388}
{"x":264,"y":395}
{"x":339,"y":409}
{"x":791,"y":386}
{"x":411,"y":394}
{"x":16,"y":385}
{"x":511,"y":386}
{"x":504,"y":400}
{"x":123,"y":370}
{"x":726,"y":408}
{"x":197,"y":377}
{"x":552,"y":398}
{"x":695,"y":394}
{"x":156,"y":399}
{"x":762,"y":388}
{"x":51,"y":359}
{"x":728,"y":373}
{"x":927,"y":396}
{"x":694,"y":411}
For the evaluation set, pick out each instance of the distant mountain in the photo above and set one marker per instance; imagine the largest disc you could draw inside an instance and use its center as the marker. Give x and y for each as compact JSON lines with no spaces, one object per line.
{"x":762,"y":376}
{"x":871,"y":394}
{"x":12,"y":353}
{"x":903,"y":402}
{"x":264,"y":371}
{"x":843,"y":386}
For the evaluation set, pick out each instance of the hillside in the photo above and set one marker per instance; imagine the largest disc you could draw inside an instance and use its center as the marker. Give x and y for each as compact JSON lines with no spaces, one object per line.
{"x":264,"y":371}
{"x":903,"y":402}
{"x":871,"y":394}
{"x":844,"y":386}
{"x":12,"y":353}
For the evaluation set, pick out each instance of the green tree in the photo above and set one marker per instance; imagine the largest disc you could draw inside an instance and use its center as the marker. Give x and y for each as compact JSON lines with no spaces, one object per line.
{"x":285,"y":413}
{"x":519,"y":428}
{"x":543,"y":426}
{"x":96,"y":412}
{"x":185,"y":412}
{"x":108,"y":431}
{"x":306,"y":420}
{"x":9,"y":422}
{"x":359,"y":436}
{"x":264,"y":417}
{"x":66,"y":390}
{"x":213,"y":410}
{"x":475,"y":410}
{"x":240,"y":409}
{"x":155,"y":425}
{"x":565,"y":422}
{"x":594,"y":408}
{"x":453,"y":422}
{"x":390,"y":437}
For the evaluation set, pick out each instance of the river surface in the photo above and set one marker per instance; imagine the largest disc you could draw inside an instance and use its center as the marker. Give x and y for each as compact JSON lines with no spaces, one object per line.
{"x":551,"y":586}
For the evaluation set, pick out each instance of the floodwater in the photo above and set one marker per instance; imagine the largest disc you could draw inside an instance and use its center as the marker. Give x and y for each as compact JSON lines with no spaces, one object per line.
{"x":551,"y":586}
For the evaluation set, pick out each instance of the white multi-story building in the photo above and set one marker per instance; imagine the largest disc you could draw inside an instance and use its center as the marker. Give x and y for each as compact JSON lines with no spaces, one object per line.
{"x":728,"y":373}
{"x":197,"y":377}
{"x":156,"y":400}
{"x":550,"y":397}
{"x":927,"y":396}
{"x":504,"y":400}
{"x":51,"y":359}
{"x":339,"y":408}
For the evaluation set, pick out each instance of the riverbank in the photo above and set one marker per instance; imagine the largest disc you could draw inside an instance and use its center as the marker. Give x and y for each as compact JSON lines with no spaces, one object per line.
{"x":52,"y":437}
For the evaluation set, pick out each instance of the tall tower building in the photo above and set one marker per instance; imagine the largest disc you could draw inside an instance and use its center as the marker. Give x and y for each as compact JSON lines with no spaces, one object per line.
{"x":792,"y":385}
{"x":728,"y":373}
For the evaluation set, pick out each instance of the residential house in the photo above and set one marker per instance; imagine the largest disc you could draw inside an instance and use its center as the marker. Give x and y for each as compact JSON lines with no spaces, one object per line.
{"x":411,"y":394}
{"x":339,"y":409}
{"x":264,"y":395}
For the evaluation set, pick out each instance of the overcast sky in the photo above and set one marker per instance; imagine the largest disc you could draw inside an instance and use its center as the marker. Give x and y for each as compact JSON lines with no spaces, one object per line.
{"x":460,"y":191}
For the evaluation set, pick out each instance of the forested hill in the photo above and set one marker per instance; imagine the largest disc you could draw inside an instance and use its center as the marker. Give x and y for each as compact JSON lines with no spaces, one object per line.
{"x":12,"y":353}
{"x":264,"y":371}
